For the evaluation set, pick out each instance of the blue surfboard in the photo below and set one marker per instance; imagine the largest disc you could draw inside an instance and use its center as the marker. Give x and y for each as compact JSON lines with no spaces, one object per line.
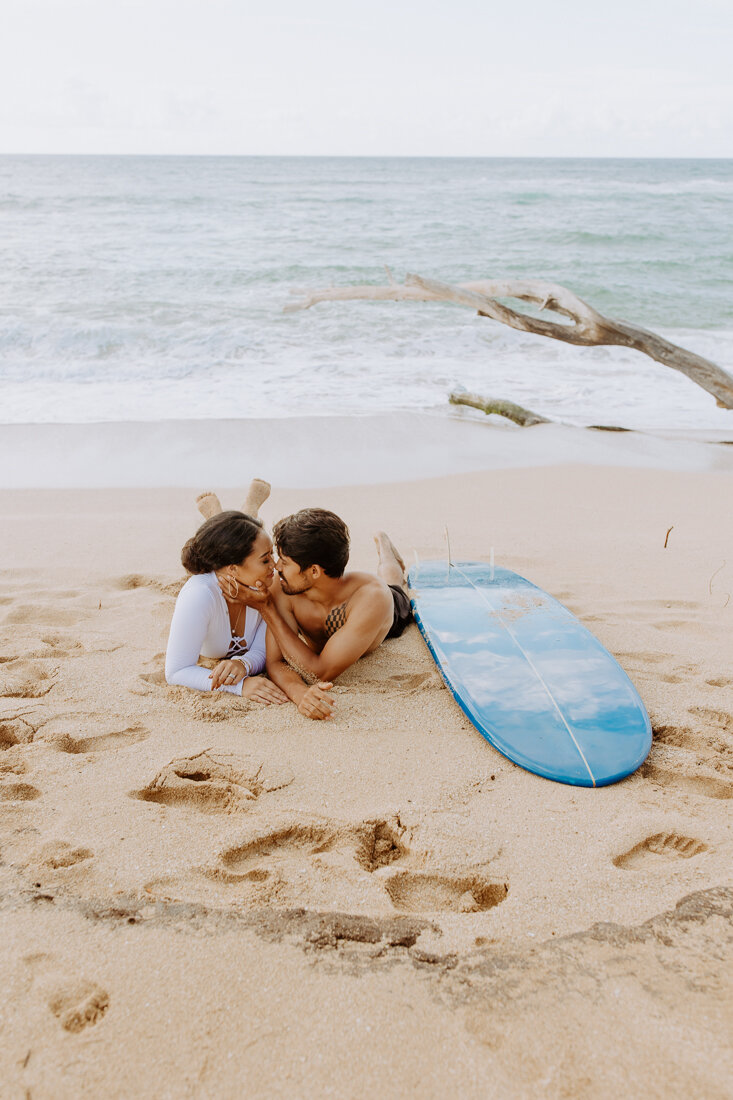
{"x":530,"y":677}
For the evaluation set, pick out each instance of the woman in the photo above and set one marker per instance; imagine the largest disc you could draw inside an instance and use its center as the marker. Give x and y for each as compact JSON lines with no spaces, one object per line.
{"x":230,"y":553}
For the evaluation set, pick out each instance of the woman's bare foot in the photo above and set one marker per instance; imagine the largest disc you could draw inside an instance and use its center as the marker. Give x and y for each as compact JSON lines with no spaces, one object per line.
{"x":208,"y":505}
{"x":391,"y":566}
{"x":257,"y":494}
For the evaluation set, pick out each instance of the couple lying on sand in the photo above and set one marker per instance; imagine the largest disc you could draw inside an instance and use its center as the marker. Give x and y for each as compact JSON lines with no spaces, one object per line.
{"x":301,"y":618}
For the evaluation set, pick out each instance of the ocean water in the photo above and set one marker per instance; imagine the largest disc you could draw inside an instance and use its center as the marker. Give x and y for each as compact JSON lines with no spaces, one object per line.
{"x":148,"y":288}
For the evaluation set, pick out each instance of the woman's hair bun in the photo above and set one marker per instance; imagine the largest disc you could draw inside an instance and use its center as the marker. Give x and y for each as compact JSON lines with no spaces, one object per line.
{"x":192,"y":559}
{"x":224,"y":539}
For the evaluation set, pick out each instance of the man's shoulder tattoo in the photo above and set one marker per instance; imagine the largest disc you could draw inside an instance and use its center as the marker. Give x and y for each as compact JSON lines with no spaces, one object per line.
{"x":335,"y":619}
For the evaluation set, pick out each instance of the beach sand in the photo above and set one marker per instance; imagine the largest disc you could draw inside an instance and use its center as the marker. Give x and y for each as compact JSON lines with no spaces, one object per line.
{"x":204,"y":897}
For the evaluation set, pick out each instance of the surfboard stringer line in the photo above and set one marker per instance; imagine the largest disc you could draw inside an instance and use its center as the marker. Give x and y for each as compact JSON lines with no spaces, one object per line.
{"x":530,"y":662}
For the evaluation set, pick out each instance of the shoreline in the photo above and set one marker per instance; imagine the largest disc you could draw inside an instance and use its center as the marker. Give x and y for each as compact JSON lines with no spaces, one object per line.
{"x":313,"y":452}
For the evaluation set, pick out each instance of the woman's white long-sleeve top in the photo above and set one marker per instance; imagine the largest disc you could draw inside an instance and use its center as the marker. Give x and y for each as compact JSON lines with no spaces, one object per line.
{"x":201,"y":627}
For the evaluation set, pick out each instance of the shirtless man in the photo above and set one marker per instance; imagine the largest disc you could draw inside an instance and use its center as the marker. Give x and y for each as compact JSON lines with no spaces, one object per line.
{"x":321,"y":619}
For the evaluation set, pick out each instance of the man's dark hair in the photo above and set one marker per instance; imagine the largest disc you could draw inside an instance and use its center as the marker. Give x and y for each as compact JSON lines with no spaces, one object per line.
{"x":314,"y":536}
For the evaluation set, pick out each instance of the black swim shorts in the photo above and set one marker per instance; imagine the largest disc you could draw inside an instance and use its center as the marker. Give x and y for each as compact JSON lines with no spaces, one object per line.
{"x":402,"y":611}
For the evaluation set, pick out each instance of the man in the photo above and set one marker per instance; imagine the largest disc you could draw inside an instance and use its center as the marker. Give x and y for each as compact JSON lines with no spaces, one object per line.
{"x":321,"y":619}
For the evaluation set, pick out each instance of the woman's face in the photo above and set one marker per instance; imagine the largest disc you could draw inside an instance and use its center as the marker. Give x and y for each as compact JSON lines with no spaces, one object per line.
{"x":259,"y":565}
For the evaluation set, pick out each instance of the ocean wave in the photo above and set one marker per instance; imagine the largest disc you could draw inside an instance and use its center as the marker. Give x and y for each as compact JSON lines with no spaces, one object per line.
{"x":564,"y":382}
{"x":159,"y":283}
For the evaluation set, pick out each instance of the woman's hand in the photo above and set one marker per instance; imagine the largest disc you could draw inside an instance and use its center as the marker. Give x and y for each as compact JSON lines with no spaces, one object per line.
{"x":261,"y":690}
{"x":317,"y":703}
{"x":227,"y":673}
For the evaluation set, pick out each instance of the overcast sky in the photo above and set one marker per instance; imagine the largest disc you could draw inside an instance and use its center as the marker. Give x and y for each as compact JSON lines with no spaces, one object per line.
{"x":387,"y":77}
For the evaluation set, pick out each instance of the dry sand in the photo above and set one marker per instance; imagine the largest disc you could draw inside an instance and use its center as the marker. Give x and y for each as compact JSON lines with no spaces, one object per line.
{"x":202,"y":897}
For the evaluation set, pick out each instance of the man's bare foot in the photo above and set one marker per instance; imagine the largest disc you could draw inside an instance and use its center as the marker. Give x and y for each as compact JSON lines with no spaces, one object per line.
{"x":257,"y":494}
{"x":208,"y":505}
{"x":391,"y":566}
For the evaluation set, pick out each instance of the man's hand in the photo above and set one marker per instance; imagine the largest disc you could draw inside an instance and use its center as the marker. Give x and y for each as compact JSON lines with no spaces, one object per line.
{"x":261,"y":690}
{"x":317,"y":703}
{"x":257,"y":597}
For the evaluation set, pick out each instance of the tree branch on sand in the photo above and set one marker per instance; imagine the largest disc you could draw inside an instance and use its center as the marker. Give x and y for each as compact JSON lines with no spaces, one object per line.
{"x":587,"y":326}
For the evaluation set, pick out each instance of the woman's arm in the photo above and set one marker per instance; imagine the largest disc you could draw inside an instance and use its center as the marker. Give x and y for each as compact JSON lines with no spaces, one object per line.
{"x":194,"y":609}
{"x":255,"y":657}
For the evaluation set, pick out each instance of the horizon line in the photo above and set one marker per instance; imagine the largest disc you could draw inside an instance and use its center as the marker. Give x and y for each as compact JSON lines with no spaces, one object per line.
{"x":385,"y":156}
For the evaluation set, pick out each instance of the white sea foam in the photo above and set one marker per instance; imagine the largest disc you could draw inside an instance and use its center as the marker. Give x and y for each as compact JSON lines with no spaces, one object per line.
{"x":153,"y":288}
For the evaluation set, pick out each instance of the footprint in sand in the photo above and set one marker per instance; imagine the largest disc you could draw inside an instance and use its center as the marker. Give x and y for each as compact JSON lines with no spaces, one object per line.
{"x":407,"y":682}
{"x":58,"y":866}
{"x":44,"y":646}
{"x":372,"y":844}
{"x":695,"y":781}
{"x":641,"y":658}
{"x":211,"y":783}
{"x":153,"y":683}
{"x":26,"y":679}
{"x":706,"y":745}
{"x":132,"y":581}
{"x":668,"y":846}
{"x":76,"y":1002}
{"x":11,"y":765}
{"x":269,"y":861}
{"x":45,"y":615}
{"x":85,"y":733}
{"x":59,"y":854}
{"x":698,"y":761}
{"x":430,"y":892}
{"x":317,"y":863}
{"x":720,"y":681}
{"x":17,"y":729}
{"x":18,"y":792}
{"x":401,"y":683}
{"x":61,"y":645}
{"x":155,"y":679}
{"x":645,"y":664}
{"x":681,"y":737}
{"x":717,"y":718}
{"x":326,"y":864}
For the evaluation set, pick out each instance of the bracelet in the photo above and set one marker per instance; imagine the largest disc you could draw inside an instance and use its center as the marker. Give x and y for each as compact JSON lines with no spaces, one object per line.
{"x":246,"y":665}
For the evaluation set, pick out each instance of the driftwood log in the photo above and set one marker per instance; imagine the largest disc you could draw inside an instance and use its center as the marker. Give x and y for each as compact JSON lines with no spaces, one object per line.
{"x":499,"y":407}
{"x":524,"y":417}
{"x":587,"y":326}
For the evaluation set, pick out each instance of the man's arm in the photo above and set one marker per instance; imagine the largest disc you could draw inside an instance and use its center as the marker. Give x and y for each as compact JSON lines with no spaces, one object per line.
{"x":281,"y":673}
{"x":314,"y":701}
{"x":369,"y":606}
